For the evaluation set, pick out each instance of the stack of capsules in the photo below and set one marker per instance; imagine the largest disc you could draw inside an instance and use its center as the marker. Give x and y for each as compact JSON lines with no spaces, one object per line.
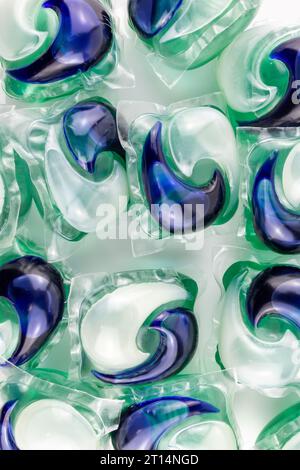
{"x":149,"y":254}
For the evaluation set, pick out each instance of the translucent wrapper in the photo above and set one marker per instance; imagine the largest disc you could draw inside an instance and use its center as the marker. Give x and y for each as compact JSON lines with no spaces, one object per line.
{"x":33,"y":316}
{"x":77,"y":173}
{"x":259,"y":76}
{"x":186,"y":34}
{"x":144,"y":322}
{"x":191,"y":413}
{"x":282,"y":433}
{"x":256,"y":335}
{"x":270,"y":190}
{"x":14,"y":200}
{"x":53,"y":49}
{"x":182,"y":167}
{"x":46,"y":412}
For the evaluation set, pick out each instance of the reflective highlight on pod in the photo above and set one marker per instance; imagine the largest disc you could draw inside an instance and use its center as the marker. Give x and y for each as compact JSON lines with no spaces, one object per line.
{"x":90,"y":129}
{"x":275,"y":292}
{"x":45,"y":424}
{"x":283,"y":432}
{"x":269,"y":59}
{"x":277,"y":226}
{"x":178,"y":30}
{"x":143,"y":425}
{"x":163,"y":333}
{"x":32,"y":298}
{"x":150,"y":18}
{"x":260,"y":326}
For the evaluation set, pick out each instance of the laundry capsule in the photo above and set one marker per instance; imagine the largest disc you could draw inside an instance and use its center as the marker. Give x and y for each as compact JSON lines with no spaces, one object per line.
{"x":189,"y":33}
{"x":51,"y":48}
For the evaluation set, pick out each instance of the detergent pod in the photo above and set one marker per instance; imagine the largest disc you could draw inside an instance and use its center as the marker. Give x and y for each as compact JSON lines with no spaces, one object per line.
{"x":270,"y":188}
{"x":189,"y":414}
{"x":77,"y":167}
{"x":32,"y":298}
{"x":182,"y":166}
{"x":37,"y":413}
{"x":53,"y":48}
{"x":257,"y":329}
{"x":132,"y":327}
{"x":283,"y":432}
{"x":185,"y":34}
{"x":259,"y":76}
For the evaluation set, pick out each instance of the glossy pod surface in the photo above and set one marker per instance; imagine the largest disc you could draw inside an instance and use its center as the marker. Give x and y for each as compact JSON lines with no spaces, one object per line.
{"x":187,"y":170}
{"x":161,"y":341}
{"x":143,"y":425}
{"x":84,"y":36}
{"x":45,"y":424}
{"x":34,"y":293}
{"x":85,"y":165}
{"x":189,"y":33}
{"x":269,"y":59}
{"x":277,"y":226}
{"x":283,"y":432}
{"x":259,"y":330}
{"x":164,"y":189}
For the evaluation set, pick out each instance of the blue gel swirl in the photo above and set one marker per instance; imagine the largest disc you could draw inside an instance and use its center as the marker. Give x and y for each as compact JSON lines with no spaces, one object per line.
{"x":90,"y":128}
{"x":278,"y":227}
{"x":143,"y":425}
{"x":35,"y":290}
{"x":165,"y":192}
{"x":275,"y":292}
{"x":178,"y":332}
{"x":83,"y":39}
{"x":150,"y":17}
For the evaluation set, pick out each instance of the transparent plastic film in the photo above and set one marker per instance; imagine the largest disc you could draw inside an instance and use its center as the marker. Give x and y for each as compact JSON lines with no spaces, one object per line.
{"x":163,"y":334}
{"x":39,"y":413}
{"x":191,"y":413}
{"x":33,"y":315}
{"x":182,"y":167}
{"x":258,"y":75}
{"x":270,"y":192}
{"x":77,"y":169}
{"x":256,"y":334}
{"x":185,"y":34}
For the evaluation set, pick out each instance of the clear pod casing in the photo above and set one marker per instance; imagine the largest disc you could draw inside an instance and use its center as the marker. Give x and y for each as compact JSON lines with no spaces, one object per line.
{"x":185,"y":34}
{"x":39,"y":413}
{"x":189,"y":414}
{"x":76,"y":166}
{"x":182,"y":167}
{"x":162,"y":338}
{"x":52,"y":49}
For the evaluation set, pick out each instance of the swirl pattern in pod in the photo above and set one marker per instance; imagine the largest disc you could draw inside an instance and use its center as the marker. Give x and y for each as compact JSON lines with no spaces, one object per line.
{"x":187,"y":170}
{"x":189,"y":33}
{"x":32,"y":298}
{"x":276,"y":216}
{"x":56,"y":42}
{"x":85,"y":165}
{"x":259,"y":326}
{"x":173,"y":423}
{"x":258,"y":74}
{"x":163,"y":333}
{"x":45,"y":424}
